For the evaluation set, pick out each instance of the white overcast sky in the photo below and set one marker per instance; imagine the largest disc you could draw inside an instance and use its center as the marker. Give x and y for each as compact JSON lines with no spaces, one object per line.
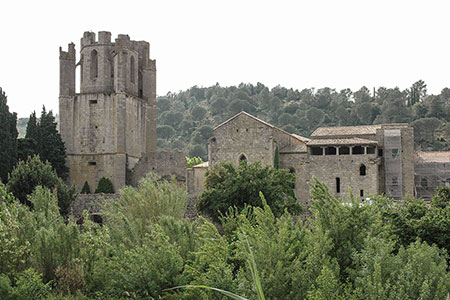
{"x":298,"y":44}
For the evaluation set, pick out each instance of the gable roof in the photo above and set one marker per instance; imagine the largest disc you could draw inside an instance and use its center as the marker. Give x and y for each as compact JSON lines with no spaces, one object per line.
{"x":246,"y":114}
{"x":295,"y":136}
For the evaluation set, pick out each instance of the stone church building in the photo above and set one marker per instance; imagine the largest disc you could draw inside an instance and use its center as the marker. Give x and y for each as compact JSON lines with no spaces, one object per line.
{"x":368,"y":160}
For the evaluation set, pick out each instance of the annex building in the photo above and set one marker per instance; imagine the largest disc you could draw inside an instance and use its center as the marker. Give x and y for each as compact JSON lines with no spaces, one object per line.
{"x":368,"y":160}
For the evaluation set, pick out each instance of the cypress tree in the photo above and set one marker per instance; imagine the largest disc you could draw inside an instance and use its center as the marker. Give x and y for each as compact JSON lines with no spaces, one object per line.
{"x":105,"y":186}
{"x":86,"y":189}
{"x":8,"y":138}
{"x":49,"y":144}
{"x":276,"y":159}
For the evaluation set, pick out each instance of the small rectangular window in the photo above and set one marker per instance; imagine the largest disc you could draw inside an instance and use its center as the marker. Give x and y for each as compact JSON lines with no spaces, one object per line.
{"x":361,"y":193}
{"x":380,"y":152}
{"x":92,"y":163}
{"x":92,"y":101}
{"x":394,"y":153}
{"x":395,"y":180}
{"x":338,"y":185}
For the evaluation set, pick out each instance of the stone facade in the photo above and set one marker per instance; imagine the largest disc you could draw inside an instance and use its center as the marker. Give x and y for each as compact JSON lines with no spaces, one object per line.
{"x":109,"y":128}
{"x":431,"y":169}
{"x":366,"y":160}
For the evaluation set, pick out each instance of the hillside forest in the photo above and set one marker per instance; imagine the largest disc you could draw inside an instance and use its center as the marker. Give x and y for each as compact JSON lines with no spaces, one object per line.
{"x":186,"y":119}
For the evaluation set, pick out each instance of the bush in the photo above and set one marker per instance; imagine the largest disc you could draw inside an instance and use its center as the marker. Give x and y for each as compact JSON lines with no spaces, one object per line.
{"x":26,"y":176}
{"x":29,"y":286}
{"x":105,"y":186}
{"x":227,"y":186}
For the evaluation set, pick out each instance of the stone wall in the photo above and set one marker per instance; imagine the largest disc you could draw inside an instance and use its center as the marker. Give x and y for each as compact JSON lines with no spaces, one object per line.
{"x":164,"y":164}
{"x":328,"y":168}
{"x":91,"y":203}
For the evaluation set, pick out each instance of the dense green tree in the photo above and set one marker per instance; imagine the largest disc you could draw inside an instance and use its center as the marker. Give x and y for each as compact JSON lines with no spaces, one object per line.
{"x":8,"y":138}
{"x":165,"y":131}
{"x":26,"y":147}
{"x":417,"y":92}
{"x":29,"y":174}
{"x":49,"y":144}
{"x":198,"y":112}
{"x":227,"y":186}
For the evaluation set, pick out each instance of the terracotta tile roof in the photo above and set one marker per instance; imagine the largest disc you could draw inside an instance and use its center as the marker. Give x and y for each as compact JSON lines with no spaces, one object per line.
{"x":434,"y":156}
{"x":350,"y":141}
{"x":346,"y":131}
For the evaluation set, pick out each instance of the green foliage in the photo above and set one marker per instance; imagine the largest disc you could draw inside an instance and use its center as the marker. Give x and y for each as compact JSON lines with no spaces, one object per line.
{"x":49,"y":144}
{"x":26,"y":176}
{"x":138,"y":208}
{"x":276,"y":159}
{"x":104,"y":186}
{"x":8,"y":138}
{"x":193,"y":161}
{"x":302,"y":111}
{"x":227,"y":186}
{"x":25,"y":148}
{"x":29,"y":286}
{"x":86,"y":189}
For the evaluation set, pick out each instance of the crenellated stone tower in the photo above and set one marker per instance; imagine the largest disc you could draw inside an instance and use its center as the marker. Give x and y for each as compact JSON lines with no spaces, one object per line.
{"x":111,"y":124}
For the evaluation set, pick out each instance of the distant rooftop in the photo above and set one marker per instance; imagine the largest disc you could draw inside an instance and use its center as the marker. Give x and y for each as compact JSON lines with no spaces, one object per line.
{"x":345,"y":131}
{"x":349,"y":141}
{"x":435,"y":156}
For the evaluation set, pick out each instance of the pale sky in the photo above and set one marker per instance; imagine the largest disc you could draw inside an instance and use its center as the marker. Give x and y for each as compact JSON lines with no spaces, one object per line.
{"x":298,"y":44}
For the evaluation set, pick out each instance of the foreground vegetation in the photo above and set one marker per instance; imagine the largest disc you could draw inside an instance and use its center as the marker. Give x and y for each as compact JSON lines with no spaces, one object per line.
{"x":385,"y":250}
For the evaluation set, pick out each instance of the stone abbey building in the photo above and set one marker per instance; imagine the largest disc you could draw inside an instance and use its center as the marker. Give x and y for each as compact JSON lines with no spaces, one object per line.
{"x":109,"y":129}
{"x":368,"y":160}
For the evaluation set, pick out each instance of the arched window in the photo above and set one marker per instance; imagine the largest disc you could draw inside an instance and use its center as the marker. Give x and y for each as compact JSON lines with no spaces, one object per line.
{"x":242,"y":158}
{"x":362,"y":170}
{"x":132,"y":68}
{"x":94,"y":64}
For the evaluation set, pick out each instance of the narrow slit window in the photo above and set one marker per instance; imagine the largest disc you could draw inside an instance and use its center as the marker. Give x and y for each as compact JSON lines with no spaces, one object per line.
{"x":361,"y":193}
{"x":93,"y":101}
{"x":338,"y":185}
{"x":132,"y":69}
{"x":94,"y":64}
{"x":92,"y":163}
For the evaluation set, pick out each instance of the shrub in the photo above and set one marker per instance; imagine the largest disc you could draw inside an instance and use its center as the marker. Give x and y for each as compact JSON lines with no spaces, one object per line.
{"x":26,"y":176}
{"x":29,"y":286}
{"x":105,"y":186}
{"x":227,"y":186}
{"x":86,"y":189}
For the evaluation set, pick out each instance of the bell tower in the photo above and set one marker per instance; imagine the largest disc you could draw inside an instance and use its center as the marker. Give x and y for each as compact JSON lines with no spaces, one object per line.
{"x":111,"y":123}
